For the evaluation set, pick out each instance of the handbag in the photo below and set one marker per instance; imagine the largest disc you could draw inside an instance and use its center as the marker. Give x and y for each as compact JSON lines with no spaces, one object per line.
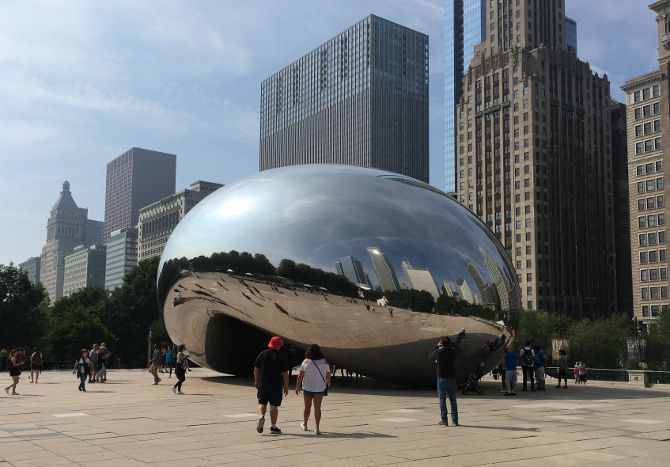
{"x":325,"y":391}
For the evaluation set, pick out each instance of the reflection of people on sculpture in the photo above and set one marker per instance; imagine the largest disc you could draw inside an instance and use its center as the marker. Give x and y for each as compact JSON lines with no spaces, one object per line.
{"x":460,"y":337}
{"x":484,"y":350}
{"x":270,"y":376}
{"x":279,"y":307}
{"x":314,"y":379}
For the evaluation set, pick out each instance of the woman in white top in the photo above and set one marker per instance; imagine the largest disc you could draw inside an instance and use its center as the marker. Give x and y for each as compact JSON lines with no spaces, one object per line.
{"x":314,"y":378}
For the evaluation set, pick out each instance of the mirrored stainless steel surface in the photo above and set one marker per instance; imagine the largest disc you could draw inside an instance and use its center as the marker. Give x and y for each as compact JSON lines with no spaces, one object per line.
{"x":338,"y":231}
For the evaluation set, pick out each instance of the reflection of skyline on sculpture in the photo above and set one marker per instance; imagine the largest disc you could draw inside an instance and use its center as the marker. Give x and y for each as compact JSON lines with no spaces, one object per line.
{"x":383,"y":269}
{"x":327,"y":228}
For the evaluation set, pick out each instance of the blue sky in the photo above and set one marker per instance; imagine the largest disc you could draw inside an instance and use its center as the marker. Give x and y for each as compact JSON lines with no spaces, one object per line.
{"x":83,"y":81}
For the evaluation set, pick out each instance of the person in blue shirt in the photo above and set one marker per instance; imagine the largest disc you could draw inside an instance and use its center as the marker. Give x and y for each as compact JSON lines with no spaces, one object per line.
{"x":510,"y":371}
{"x":539,"y":365}
{"x":445,"y":354}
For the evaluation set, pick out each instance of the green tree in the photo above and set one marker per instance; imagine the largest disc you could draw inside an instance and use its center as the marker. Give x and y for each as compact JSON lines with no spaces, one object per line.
{"x":75,"y":322}
{"x":601,"y":344}
{"x":159,"y":334}
{"x":73,"y":327}
{"x":133,"y":308}
{"x":536,"y":327}
{"x":658,"y":342}
{"x":23,"y":309}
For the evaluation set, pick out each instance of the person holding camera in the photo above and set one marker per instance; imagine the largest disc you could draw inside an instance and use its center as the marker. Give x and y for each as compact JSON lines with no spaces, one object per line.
{"x":314,"y":379}
{"x":444,"y":355}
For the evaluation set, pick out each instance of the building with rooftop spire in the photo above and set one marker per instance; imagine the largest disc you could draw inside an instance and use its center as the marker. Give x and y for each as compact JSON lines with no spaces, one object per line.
{"x":66,"y":229}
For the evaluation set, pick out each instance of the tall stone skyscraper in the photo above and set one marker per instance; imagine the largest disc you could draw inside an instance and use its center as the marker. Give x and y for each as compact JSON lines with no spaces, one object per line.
{"x":135,"y":179}
{"x":359,"y":99}
{"x":466,"y":25}
{"x":66,"y":229}
{"x":648,"y":127}
{"x":535,"y":157}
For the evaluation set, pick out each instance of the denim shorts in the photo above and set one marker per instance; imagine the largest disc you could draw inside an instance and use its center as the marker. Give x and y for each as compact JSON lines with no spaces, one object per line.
{"x":307,"y":393}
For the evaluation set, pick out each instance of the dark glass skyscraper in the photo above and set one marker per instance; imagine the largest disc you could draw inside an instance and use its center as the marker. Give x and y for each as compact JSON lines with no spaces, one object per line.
{"x":359,"y":99}
{"x":135,"y":179}
{"x":465,"y":27}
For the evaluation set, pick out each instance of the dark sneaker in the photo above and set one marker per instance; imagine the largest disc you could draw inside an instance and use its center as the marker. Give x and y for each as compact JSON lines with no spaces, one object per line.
{"x":261,"y":422}
{"x":443,"y":423}
{"x":274,"y":429}
{"x":455,"y":422}
{"x":558,"y":387}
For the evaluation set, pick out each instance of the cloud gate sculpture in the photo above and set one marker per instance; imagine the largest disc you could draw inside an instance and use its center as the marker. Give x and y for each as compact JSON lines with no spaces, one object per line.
{"x":335,"y":255}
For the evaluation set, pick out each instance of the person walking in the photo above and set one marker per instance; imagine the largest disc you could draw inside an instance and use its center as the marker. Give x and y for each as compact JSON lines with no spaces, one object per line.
{"x":169,"y":360}
{"x":444,"y":354}
{"x":35,"y":364}
{"x":93,"y":355}
{"x":14,"y":371}
{"x":581,"y":369}
{"x":270,"y":375}
{"x":155,"y":364}
{"x":105,"y":353}
{"x":510,"y":371}
{"x":180,"y":370}
{"x":539,"y":366}
{"x":314,"y":379}
{"x":562,"y":369}
{"x":82,"y":368}
{"x":527,"y":357}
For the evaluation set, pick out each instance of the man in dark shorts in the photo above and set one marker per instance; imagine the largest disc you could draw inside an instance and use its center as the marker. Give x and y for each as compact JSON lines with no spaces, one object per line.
{"x":271,"y":376}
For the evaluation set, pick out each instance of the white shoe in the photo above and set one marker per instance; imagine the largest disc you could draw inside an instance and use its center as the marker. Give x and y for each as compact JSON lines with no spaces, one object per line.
{"x":155,"y":383}
{"x":174,"y":389}
{"x":180,"y":393}
{"x":318,"y":432}
{"x":304,"y":427}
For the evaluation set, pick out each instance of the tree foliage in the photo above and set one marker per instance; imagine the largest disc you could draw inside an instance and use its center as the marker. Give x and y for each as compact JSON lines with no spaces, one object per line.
{"x":132,"y":309}
{"x":23,"y":309}
{"x":658,"y":342}
{"x":415,"y":300}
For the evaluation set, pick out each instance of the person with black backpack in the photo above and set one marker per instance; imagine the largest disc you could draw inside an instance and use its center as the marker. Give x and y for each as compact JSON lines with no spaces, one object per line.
{"x":82,"y":368}
{"x":527,"y":356}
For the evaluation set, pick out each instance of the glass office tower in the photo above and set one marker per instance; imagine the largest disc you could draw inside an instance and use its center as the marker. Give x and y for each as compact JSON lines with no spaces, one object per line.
{"x":359,"y":99}
{"x":465,"y":27}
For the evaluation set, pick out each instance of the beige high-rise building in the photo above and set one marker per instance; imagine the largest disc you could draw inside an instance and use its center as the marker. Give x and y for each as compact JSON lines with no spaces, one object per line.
{"x":647,"y":122}
{"x":534,"y":158}
{"x":158,"y":220}
{"x":84,"y":267}
{"x":66,"y":229}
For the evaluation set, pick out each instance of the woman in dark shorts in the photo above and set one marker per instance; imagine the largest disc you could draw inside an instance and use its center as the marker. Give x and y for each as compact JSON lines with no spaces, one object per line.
{"x":14,"y":372}
{"x":314,"y":379}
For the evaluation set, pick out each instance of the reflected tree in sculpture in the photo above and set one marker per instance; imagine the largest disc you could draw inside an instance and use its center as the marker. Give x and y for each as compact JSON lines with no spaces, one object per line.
{"x":300,"y":251}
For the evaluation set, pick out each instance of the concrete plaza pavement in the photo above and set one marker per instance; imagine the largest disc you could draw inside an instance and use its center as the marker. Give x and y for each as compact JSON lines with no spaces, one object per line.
{"x":128,"y":422}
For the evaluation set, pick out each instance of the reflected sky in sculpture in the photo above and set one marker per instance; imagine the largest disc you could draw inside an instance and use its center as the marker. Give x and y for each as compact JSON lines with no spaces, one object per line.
{"x":378,"y":229}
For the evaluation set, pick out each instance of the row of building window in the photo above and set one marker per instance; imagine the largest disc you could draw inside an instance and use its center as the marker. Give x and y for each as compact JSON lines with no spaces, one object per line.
{"x":652,"y":238}
{"x":649,"y":185}
{"x":647,"y":93}
{"x":648,"y":110}
{"x":652,"y":255}
{"x":649,"y":168}
{"x":653,"y":292}
{"x":653,"y":274}
{"x":648,"y":145}
{"x":647,"y":128}
{"x":651,"y":220}
{"x":650,"y":203}
{"x":654,"y":310}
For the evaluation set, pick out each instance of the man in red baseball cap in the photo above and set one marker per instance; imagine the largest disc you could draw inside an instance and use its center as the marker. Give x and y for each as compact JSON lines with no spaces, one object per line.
{"x":271,"y":376}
